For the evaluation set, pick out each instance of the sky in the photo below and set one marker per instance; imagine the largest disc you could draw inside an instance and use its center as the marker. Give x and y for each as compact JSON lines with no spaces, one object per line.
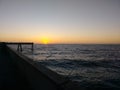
{"x":60,"y":21}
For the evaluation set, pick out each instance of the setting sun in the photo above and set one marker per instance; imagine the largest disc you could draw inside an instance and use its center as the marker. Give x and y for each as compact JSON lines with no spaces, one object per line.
{"x":45,"y":40}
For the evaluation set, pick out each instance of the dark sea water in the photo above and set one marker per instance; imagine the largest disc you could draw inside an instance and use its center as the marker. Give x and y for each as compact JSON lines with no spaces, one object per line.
{"x":89,"y":65}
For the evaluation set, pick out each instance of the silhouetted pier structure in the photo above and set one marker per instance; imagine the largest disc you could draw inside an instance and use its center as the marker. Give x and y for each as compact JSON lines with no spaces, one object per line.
{"x":18,"y":72}
{"x":19,"y":48}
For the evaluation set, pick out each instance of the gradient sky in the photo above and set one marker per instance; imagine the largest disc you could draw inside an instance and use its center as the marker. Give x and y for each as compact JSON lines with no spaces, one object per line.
{"x":60,"y":21}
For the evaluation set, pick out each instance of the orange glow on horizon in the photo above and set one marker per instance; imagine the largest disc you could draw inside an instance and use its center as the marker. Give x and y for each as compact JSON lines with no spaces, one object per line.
{"x":56,"y":39}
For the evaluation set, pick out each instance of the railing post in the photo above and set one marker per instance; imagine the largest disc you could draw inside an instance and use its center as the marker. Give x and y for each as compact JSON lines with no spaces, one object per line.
{"x":32,"y":47}
{"x":18,"y":48}
{"x":21,"y":47}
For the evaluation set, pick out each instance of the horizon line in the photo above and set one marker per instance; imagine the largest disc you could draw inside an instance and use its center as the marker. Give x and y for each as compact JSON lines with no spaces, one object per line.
{"x":53,"y":43}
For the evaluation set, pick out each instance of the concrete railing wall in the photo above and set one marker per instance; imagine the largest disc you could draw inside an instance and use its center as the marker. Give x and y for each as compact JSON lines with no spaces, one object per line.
{"x":39,"y":77}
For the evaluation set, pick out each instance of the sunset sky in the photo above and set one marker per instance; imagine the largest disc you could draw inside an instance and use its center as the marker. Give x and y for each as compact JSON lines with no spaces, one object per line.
{"x":60,"y":21}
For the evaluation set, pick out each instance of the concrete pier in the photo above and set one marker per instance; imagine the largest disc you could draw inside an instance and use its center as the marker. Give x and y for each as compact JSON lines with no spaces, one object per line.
{"x":9,"y":74}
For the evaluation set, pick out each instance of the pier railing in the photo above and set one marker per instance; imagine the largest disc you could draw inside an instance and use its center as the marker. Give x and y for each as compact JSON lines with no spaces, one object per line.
{"x":19,"y":45}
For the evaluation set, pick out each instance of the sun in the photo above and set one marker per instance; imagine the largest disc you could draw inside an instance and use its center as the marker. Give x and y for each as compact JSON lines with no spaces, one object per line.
{"x":45,"y":40}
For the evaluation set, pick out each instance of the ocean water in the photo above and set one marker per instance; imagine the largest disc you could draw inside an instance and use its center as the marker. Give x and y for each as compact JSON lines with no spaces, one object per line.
{"x":89,"y":65}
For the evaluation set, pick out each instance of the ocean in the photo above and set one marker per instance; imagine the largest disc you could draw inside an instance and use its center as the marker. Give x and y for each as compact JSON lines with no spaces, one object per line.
{"x":89,"y":65}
